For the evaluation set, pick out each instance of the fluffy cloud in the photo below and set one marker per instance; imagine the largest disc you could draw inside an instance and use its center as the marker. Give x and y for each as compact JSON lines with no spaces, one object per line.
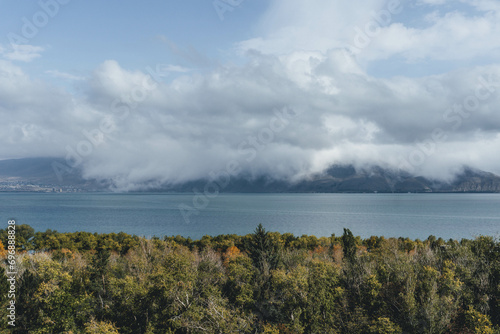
{"x":450,"y":36}
{"x":314,"y":25}
{"x":381,"y":30}
{"x":183,"y":130}
{"x":299,"y":103}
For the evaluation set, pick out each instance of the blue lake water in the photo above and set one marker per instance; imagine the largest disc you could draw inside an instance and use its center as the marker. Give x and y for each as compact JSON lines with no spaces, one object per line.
{"x":391,"y":215}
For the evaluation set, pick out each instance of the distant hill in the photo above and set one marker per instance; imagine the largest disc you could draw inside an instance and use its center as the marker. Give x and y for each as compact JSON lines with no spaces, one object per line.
{"x":335,"y":179}
{"x":347,"y":179}
{"x":31,"y":168}
{"x":40,"y":171}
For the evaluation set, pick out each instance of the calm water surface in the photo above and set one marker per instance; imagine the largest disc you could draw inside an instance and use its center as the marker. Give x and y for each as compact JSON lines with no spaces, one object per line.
{"x":408,"y":215}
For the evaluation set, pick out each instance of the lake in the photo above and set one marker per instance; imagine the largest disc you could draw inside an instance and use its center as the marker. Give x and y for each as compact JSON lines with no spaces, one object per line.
{"x":392,"y":215}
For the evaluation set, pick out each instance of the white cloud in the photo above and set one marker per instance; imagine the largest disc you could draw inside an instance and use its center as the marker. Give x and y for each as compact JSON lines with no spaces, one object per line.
{"x":175,"y":68}
{"x":433,"y":2}
{"x":316,"y":25}
{"x":451,"y":36}
{"x":24,"y":53}
{"x":199,"y":122}
{"x":445,"y":32}
{"x":63,"y":75}
{"x":37,"y":118}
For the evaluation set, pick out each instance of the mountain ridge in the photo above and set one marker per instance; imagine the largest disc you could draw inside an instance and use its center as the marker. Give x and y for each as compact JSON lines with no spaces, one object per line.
{"x":338,"y":178}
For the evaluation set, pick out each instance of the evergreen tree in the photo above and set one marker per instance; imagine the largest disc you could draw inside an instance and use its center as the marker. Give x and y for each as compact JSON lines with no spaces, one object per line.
{"x":98,"y":280}
{"x":264,"y":251}
{"x":349,"y":246}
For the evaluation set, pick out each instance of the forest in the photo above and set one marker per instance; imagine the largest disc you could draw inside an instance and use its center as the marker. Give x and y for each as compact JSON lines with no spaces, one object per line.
{"x":264,"y":282}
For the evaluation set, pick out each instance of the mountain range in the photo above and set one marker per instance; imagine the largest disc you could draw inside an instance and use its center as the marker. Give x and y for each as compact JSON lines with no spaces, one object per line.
{"x":339,"y":178}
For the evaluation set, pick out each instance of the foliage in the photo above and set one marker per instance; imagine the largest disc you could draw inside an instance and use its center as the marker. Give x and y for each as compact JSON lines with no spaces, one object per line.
{"x":265,"y":282}
{"x":101,"y":327}
{"x":24,"y":237}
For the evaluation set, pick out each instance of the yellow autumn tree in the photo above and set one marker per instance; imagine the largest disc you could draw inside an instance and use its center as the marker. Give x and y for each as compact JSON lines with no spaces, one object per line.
{"x":3,"y":251}
{"x":231,"y":253}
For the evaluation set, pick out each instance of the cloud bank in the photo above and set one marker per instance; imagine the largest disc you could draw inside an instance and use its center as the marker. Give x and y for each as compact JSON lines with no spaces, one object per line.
{"x":301,"y":101}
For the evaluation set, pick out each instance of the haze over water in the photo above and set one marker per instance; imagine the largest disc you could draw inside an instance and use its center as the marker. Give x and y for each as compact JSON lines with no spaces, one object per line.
{"x":392,"y":215}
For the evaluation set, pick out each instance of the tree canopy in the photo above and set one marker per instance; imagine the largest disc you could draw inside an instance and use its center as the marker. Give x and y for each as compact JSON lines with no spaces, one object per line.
{"x":265,"y":282}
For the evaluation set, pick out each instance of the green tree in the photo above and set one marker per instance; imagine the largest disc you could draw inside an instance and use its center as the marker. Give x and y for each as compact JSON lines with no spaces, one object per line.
{"x":24,"y":237}
{"x":288,"y":299}
{"x":264,"y":251}
{"x":101,"y":327}
{"x":383,"y":326}
{"x":47,"y":300}
{"x":477,"y":323}
{"x":98,"y":276}
{"x":349,"y":246}
{"x":239,"y":285}
{"x":265,"y":254}
{"x":325,"y":302}
{"x":171,"y":293}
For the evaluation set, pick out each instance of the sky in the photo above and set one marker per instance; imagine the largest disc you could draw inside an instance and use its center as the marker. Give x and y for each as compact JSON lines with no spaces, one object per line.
{"x":169,"y":91}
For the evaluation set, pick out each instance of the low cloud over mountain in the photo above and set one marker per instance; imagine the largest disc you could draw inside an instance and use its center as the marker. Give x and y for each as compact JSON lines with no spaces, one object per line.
{"x":291,"y":107}
{"x":41,"y":174}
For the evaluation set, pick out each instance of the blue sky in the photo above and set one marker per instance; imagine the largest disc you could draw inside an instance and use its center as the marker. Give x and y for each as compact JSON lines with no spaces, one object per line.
{"x":85,"y":33}
{"x":411,"y":84}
